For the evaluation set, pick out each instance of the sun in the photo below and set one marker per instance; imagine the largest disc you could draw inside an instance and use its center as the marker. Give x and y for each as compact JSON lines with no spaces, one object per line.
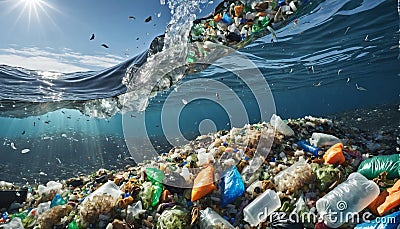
{"x":33,"y":10}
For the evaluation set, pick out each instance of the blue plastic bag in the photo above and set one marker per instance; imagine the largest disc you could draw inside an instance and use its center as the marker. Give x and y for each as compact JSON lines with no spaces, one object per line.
{"x":391,"y":221}
{"x":232,"y":186}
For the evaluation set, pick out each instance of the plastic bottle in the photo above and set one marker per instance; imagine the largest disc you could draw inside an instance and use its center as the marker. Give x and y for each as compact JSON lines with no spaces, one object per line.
{"x":279,"y":125}
{"x":227,"y":19}
{"x":261,"y":207}
{"x":211,"y":219}
{"x":321,"y":139}
{"x":309,"y":148}
{"x":346,"y":200}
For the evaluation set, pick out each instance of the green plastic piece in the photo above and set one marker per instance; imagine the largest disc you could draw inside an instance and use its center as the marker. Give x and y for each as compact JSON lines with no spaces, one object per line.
{"x":73,"y":225}
{"x":21,"y":215}
{"x":372,"y":167}
{"x":198,"y":30}
{"x":157,"y":191}
{"x":58,"y":200}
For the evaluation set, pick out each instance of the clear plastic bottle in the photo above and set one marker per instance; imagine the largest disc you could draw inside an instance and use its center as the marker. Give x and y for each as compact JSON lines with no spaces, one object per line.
{"x":346,"y":200}
{"x":261,"y":207}
{"x":209,"y":219}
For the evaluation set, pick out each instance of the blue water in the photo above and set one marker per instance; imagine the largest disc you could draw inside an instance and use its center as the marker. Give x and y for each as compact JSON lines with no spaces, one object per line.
{"x":338,"y":56}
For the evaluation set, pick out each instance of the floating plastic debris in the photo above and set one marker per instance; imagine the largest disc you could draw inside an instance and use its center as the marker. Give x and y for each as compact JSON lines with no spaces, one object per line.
{"x":25,"y":151}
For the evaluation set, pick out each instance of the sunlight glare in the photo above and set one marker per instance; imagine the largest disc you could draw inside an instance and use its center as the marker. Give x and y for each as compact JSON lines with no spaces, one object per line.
{"x":32,"y":9}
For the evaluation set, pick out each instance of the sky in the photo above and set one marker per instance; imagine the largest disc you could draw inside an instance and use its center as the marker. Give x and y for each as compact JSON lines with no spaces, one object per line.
{"x":54,"y":35}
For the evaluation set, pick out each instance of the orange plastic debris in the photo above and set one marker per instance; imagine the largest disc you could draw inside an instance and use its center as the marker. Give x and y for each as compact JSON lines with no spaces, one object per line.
{"x":203,"y":183}
{"x":392,"y":200}
{"x":238,"y":10}
{"x":373,"y":207}
{"x":217,"y":17}
{"x":335,"y":155}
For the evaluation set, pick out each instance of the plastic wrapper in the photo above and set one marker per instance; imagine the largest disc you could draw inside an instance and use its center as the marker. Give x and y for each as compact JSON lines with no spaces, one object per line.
{"x":391,"y":221}
{"x":349,"y":197}
{"x":232,"y":186}
{"x":15,"y":223}
{"x":209,"y":219}
{"x":174,"y":182}
{"x":294,"y":177}
{"x":203,"y":183}
{"x":155,"y":175}
{"x":334,"y":155}
{"x":50,"y":187}
{"x":372,"y":167}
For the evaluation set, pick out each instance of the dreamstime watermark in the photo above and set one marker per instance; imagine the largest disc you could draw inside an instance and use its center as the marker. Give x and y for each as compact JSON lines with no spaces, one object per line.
{"x":331,"y":218}
{"x":166,"y":69}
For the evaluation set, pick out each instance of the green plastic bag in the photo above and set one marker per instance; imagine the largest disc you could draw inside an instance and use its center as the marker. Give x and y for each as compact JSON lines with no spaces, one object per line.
{"x":372,"y":167}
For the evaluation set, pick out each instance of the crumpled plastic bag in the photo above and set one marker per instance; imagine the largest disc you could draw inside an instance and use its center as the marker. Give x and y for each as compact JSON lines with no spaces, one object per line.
{"x":372,"y":167}
{"x":203,"y":183}
{"x":391,"y":221}
{"x":232,"y":186}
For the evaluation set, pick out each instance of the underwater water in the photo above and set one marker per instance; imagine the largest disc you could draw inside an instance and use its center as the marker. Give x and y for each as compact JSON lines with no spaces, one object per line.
{"x":330,"y":57}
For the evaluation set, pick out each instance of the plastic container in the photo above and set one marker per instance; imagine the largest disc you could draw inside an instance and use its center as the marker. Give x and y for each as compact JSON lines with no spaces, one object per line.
{"x":309,"y":148}
{"x":210,"y":219}
{"x":346,"y":200}
{"x":321,"y":139}
{"x":261,"y":207}
{"x":280,"y":126}
{"x":227,"y":19}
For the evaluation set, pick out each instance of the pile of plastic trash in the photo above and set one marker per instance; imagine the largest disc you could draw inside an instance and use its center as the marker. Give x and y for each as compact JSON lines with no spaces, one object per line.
{"x":309,"y":173}
{"x":234,"y":21}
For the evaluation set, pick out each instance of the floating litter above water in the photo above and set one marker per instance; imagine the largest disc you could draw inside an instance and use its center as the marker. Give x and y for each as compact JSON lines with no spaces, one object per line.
{"x":347,"y":30}
{"x":159,"y":14}
{"x":13,"y":146}
{"x":317,"y":84}
{"x":63,"y":135}
{"x":184,"y":101}
{"x":43,"y":174}
{"x":25,"y":151}
{"x":360,"y":88}
{"x":366,"y":38}
{"x":58,"y":159}
{"x":348,"y":79}
{"x":338,"y":72}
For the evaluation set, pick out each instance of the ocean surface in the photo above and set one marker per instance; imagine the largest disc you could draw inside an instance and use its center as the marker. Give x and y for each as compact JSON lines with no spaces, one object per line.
{"x":329,"y":57}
